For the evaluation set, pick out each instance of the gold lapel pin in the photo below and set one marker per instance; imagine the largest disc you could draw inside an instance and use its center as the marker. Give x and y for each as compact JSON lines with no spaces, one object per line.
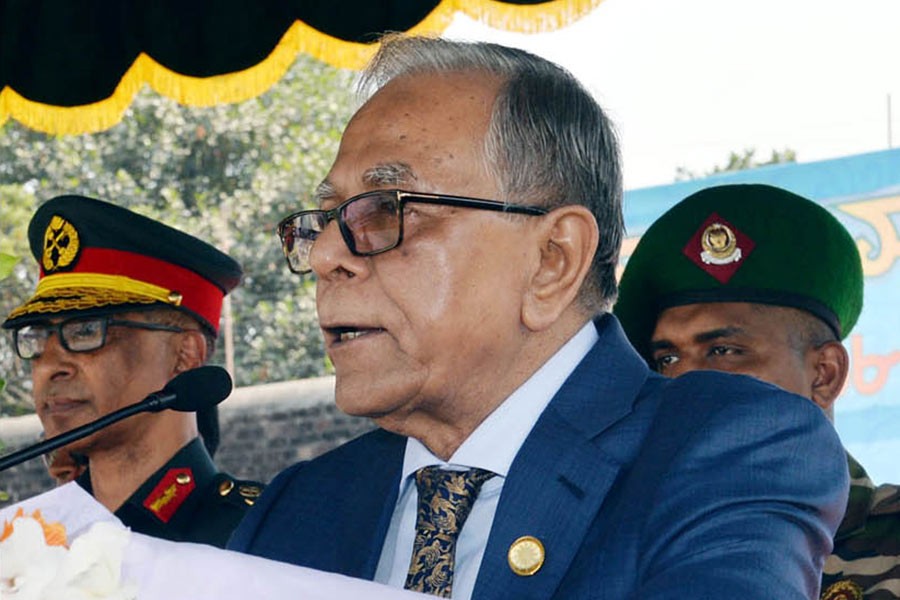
{"x":526,"y":556}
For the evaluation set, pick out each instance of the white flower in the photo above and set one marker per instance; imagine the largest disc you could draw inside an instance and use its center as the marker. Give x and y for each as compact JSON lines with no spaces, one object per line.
{"x":28,"y":565}
{"x":90,"y":569}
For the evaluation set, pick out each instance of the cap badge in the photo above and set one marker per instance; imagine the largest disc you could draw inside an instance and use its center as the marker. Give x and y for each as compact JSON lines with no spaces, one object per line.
{"x":526,"y":556}
{"x":719,"y":245}
{"x":718,"y":248}
{"x":61,"y":245}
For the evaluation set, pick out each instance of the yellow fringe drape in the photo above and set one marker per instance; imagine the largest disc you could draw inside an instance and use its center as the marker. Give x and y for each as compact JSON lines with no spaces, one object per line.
{"x":255,"y":80}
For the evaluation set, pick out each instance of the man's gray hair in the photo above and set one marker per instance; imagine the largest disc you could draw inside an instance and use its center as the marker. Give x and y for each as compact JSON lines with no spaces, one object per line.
{"x":548,"y":143}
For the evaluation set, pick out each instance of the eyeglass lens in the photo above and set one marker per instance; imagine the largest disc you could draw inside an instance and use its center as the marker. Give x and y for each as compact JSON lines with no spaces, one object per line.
{"x":372,"y":221}
{"x":82,"y":335}
{"x":297,"y":237}
{"x":369,"y":224}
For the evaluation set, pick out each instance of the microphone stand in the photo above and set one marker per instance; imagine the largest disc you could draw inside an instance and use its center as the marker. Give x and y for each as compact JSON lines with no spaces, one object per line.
{"x":152,"y":403}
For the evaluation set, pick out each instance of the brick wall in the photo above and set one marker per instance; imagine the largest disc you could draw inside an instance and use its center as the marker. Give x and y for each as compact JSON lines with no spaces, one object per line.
{"x":264,"y":428}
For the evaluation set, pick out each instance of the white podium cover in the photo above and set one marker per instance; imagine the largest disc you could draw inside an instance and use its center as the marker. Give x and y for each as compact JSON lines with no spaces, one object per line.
{"x":164,"y":570}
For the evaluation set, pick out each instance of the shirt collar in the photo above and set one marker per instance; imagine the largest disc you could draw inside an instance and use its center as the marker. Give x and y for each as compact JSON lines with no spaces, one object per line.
{"x":496,"y":441}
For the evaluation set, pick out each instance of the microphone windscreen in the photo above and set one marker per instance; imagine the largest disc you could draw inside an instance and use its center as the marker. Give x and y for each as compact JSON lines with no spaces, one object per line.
{"x":199,"y":388}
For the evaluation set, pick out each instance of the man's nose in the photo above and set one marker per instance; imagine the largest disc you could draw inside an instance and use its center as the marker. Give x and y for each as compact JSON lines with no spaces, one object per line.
{"x":330,"y":254}
{"x":54,"y":361}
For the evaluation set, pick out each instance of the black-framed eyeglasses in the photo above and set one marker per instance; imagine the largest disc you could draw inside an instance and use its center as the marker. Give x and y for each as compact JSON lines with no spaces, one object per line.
{"x":78,"y":334}
{"x":371,"y":223}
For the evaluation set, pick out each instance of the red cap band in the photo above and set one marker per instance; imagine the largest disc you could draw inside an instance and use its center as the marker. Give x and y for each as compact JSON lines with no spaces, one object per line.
{"x":196,"y":293}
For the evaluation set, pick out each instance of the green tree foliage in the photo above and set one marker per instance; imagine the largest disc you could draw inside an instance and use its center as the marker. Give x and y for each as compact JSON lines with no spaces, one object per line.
{"x":16,"y":207}
{"x":7,"y":262}
{"x":227,"y":174}
{"x":739,"y":162}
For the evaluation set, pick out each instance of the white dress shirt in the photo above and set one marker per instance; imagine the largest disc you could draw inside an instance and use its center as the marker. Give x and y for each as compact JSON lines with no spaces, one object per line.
{"x":492,"y":446}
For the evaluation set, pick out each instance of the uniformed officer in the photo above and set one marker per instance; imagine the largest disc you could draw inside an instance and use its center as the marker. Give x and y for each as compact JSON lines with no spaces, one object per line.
{"x":756,"y":280}
{"x":123,"y":305}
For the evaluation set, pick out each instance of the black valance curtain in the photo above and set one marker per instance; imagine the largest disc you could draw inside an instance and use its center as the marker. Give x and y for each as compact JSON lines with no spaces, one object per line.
{"x":73,"y":66}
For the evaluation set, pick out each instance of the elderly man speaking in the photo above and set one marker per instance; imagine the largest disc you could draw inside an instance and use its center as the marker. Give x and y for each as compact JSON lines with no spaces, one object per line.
{"x":464,"y":248}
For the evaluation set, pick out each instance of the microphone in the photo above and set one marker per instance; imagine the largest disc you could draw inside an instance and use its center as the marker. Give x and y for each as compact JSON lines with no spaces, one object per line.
{"x":189,"y":391}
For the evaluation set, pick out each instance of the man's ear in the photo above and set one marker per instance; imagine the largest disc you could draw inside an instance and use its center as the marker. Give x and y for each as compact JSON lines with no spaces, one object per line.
{"x":831,"y":364}
{"x":190,"y":350}
{"x":568,"y":238}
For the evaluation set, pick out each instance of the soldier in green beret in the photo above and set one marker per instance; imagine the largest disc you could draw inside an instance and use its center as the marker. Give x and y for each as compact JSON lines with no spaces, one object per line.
{"x":756,"y":280}
{"x":123,"y":305}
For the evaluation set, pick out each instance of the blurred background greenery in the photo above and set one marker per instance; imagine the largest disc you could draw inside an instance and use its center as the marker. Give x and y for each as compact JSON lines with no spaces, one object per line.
{"x":226,"y":174}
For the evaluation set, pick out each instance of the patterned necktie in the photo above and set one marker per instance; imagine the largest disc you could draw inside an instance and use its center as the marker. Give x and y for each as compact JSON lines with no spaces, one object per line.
{"x":445,"y":500}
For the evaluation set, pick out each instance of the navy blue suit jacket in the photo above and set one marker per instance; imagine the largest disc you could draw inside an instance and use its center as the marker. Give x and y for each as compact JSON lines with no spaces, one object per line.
{"x":706,"y":486}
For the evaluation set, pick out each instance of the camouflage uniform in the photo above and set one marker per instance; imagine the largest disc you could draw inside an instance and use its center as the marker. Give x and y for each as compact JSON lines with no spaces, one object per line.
{"x":866,"y":558}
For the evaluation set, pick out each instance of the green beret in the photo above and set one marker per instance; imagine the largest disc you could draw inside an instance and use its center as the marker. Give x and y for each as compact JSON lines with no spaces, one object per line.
{"x":96,"y":257}
{"x":742,"y":243}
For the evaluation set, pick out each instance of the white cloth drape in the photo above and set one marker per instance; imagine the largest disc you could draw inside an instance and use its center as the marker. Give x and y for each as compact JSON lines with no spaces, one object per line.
{"x":164,"y":570}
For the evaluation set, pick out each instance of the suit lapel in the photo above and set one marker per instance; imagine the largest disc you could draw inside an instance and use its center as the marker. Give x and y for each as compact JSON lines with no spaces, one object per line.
{"x":379,"y":501}
{"x":347,"y":509}
{"x":565,"y":468}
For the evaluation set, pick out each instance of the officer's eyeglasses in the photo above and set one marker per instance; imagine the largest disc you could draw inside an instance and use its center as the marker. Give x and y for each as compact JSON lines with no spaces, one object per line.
{"x":370,"y":223}
{"x":79,"y":334}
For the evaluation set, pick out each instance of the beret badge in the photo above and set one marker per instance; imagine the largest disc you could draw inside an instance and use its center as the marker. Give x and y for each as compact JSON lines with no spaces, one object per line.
{"x":61,"y":245}
{"x":719,"y":245}
{"x":718,"y":248}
